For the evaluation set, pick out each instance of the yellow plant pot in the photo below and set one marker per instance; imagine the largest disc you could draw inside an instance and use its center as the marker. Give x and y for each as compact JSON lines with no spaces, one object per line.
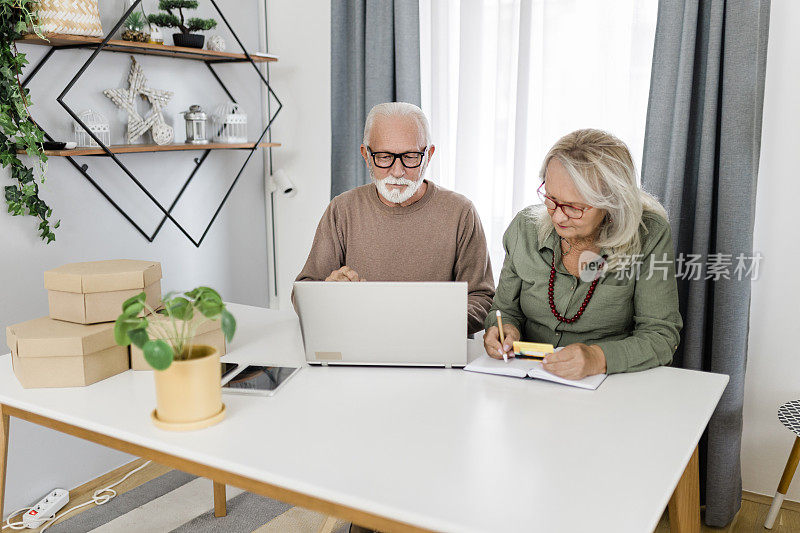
{"x":188,"y":393}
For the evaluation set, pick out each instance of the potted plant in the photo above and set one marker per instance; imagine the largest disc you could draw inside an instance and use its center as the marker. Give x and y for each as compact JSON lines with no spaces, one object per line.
{"x":133,"y":28}
{"x":171,"y":20}
{"x":187,"y":376}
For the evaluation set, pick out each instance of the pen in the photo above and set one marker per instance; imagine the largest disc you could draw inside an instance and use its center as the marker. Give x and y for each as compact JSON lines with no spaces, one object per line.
{"x":502,"y":337}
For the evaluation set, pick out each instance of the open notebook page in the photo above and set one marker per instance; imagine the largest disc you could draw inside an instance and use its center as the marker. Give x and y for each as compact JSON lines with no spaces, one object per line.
{"x":520,"y":368}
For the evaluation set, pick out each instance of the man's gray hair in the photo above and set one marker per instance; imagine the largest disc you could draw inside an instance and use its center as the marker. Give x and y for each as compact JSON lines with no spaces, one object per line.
{"x":399,"y":109}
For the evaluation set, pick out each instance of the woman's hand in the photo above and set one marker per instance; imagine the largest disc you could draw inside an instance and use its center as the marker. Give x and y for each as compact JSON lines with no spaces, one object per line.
{"x":491,"y":340}
{"x":576,"y":361}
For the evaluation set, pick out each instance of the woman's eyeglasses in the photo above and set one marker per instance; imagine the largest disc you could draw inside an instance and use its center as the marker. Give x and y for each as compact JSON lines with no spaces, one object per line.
{"x":569,"y":210}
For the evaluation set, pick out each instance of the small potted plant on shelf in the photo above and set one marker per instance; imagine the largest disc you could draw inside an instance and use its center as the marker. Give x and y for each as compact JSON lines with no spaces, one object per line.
{"x":187,"y":376}
{"x":186,"y":37}
{"x":133,"y":28}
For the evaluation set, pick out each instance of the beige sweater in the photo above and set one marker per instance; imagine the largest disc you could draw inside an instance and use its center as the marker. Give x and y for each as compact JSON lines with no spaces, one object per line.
{"x":437,"y":238}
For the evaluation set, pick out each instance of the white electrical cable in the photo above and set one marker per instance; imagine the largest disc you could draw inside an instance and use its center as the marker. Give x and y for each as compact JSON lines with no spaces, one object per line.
{"x":99,"y":497}
{"x":15,"y":525}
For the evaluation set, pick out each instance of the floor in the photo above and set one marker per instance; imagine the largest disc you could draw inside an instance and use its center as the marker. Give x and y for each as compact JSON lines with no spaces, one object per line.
{"x":749,"y":519}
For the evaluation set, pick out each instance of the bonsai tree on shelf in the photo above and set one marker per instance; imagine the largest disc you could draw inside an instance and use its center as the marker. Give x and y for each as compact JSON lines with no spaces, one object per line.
{"x":187,"y":27}
{"x":170,"y":339}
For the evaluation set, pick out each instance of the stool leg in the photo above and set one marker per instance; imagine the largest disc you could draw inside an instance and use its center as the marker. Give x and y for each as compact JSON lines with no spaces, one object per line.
{"x":783,"y":486}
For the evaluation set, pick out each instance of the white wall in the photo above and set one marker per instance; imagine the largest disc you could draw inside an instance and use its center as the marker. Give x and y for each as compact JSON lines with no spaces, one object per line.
{"x":233,"y":258}
{"x":773,"y":367}
{"x":300,"y":32}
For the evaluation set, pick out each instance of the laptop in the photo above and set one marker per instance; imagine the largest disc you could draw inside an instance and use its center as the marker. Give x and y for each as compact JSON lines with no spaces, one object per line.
{"x":383,"y":323}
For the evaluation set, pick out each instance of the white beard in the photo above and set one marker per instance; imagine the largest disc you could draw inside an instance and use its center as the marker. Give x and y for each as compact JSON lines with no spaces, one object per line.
{"x":394,"y":195}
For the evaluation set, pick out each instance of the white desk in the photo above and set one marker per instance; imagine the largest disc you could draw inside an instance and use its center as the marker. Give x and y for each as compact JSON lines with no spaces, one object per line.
{"x":408,"y":448}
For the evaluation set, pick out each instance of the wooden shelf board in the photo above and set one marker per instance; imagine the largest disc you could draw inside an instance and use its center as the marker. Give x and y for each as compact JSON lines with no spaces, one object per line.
{"x":116,"y":45}
{"x":138,"y":148}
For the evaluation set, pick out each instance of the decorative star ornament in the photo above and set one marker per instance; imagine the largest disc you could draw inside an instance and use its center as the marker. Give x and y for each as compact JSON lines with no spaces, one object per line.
{"x":125,"y":99}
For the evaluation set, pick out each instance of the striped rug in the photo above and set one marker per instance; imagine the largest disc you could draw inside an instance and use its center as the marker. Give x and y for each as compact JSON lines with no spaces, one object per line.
{"x":180,"y":502}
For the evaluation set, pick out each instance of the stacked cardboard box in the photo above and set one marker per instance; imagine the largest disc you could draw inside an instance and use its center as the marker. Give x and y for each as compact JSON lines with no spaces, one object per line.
{"x":75,"y":345}
{"x":53,"y":353}
{"x":88,"y":293}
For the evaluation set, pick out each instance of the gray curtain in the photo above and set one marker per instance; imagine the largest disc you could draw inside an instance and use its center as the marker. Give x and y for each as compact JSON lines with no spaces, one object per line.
{"x":374,"y":59}
{"x":701,"y":152}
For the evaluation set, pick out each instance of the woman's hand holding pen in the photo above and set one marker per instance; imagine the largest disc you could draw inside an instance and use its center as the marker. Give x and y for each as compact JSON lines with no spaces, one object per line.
{"x":491,"y":341}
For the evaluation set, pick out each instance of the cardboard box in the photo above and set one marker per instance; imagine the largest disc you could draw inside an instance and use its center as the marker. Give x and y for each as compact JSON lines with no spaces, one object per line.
{"x":209,"y":333}
{"x":53,"y":353}
{"x":88,"y":293}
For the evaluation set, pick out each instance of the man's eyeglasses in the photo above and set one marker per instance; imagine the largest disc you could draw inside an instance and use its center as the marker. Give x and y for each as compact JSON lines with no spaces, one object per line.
{"x":569,"y":210}
{"x":387,"y":159}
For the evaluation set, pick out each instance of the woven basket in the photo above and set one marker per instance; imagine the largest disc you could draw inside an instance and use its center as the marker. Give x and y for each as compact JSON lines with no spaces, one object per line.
{"x":71,"y":17}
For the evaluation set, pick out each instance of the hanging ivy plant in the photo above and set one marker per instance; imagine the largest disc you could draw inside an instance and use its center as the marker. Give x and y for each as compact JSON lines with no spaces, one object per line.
{"x":18,"y":131}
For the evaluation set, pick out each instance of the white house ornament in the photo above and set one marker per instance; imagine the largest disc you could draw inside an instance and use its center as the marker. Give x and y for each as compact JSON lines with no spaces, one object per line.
{"x":216,"y":43}
{"x":125,"y":99}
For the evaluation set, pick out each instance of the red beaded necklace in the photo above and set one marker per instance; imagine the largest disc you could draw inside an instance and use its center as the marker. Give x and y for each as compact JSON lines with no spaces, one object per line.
{"x":552,"y":302}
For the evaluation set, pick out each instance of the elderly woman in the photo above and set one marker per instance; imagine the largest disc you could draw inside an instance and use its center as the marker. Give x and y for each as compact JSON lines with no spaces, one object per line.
{"x":592,"y":269}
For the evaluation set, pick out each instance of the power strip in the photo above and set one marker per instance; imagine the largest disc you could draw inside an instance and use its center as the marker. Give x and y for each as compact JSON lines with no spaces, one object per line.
{"x":43,"y":514}
{"x":46,"y":509}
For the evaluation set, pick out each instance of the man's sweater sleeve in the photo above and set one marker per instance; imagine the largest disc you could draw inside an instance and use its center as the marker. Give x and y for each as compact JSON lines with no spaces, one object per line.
{"x":327,"y":251}
{"x":473,"y":266}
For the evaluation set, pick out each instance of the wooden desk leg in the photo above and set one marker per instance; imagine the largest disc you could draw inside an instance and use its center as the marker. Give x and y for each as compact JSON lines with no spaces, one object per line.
{"x":220,"y":503}
{"x":684,"y":506}
{"x":4,"y":427}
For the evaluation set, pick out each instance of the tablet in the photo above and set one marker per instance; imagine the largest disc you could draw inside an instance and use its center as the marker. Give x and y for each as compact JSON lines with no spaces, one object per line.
{"x":259,"y":380}
{"x":228,"y":368}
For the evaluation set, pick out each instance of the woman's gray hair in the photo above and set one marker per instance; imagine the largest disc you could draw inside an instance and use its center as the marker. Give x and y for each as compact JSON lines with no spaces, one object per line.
{"x":602,"y":170}
{"x":399,"y":109}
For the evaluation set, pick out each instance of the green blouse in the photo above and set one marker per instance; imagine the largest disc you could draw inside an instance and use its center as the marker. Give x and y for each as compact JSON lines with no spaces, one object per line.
{"x":634,"y":319}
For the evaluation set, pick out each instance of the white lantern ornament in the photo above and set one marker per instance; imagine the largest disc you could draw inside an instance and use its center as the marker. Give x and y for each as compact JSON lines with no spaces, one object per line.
{"x":229,"y":124}
{"x":97,"y":124}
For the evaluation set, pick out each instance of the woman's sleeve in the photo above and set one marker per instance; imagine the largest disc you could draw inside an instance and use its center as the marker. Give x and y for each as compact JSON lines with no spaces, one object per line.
{"x":656,"y":318}
{"x":506,"y":296}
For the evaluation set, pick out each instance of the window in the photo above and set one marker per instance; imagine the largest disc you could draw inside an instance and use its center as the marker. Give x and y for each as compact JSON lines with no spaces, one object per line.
{"x":502,"y":80}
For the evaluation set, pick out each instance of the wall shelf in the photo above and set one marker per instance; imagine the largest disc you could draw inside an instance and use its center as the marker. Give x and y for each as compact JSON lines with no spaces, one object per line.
{"x":130,"y":47}
{"x":57,"y":42}
{"x":140,"y":148}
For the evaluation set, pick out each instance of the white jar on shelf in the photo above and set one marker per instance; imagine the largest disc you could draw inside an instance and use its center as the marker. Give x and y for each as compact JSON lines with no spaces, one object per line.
{"x":229,"y":124}
{"x":97,"y":124}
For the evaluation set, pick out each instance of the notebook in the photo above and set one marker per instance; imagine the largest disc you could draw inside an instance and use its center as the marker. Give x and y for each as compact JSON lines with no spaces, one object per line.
{"x":531,"y":368}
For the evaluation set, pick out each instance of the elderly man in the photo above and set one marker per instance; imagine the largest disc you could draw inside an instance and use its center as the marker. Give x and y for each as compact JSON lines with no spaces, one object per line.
{"x":402,"y":227}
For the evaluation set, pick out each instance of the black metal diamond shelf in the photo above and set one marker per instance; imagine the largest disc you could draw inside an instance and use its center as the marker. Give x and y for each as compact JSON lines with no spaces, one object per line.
{"x":207,"y":57}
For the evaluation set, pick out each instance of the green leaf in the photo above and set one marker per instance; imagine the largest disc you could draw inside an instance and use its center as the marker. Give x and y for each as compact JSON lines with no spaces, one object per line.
{"x":179,"y":308}
{"x":134,"y":305}
{"x":125,"y":324}
{"x":204,"y":292}
{"x":198,"y":24}
{"x":133,"y":309}
{"x":228,"y":325}
{"x":138,"y":337}
{"x":158,"y":354}
{"x":210,"y":309}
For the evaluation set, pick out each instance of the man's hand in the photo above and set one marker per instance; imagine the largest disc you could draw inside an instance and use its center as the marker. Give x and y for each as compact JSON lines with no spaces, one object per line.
{"x":491,"y":341}
{"x":576,"y":361}
{"x":344,"y":274}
